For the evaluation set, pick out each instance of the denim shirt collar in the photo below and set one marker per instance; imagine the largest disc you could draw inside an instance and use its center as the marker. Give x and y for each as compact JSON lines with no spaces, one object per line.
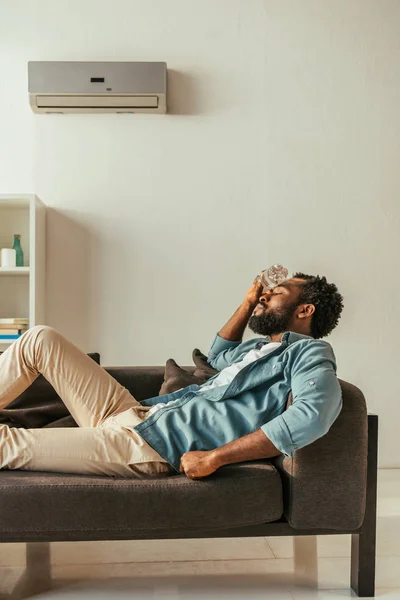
{"x":289,"y":337}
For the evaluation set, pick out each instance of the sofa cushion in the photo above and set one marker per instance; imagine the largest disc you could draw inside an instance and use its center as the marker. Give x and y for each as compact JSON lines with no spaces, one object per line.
{"x":175,"y":377}
{"x":39,"y":506}
{"x":202,"y":368}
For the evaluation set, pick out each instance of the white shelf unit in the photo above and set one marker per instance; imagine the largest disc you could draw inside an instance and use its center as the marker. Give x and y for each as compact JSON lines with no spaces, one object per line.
{"x":22,"y":289}
{"x":14,"y":271}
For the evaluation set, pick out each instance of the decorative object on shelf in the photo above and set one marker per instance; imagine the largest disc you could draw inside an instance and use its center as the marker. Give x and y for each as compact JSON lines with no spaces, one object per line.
{"x":18,"y":249}
{"x":272,"y":276}
{"x":8,"y":258}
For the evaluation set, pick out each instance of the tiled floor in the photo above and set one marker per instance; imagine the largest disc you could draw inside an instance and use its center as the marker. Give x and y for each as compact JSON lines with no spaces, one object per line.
{"x":275,"y":568}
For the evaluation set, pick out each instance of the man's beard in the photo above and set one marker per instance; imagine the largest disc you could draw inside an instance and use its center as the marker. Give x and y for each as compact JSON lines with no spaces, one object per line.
{"x":271,"y":322}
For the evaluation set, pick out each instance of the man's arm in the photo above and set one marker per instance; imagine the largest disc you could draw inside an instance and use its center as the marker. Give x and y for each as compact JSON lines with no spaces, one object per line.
{"x":234,"y":328}
{"x":226,"y":346}
{"x":317,"y":402}
{"x":253,"y":446}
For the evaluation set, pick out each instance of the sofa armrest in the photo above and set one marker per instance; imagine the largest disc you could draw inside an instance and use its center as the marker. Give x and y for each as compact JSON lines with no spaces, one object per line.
{"x":324,"y":484}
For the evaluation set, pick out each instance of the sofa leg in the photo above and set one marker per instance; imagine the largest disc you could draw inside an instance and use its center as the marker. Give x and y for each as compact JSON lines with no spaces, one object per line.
{"x":38,"y":564}
{"x":362,"y":565}
{"x":363,"y":545}
{"x":37,"y":576}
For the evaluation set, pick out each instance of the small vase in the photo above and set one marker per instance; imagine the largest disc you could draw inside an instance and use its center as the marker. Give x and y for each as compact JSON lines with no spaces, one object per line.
{"x":18,"y":250}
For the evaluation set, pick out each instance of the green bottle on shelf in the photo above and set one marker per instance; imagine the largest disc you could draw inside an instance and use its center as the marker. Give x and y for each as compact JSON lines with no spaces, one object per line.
{"x":18,"y":250}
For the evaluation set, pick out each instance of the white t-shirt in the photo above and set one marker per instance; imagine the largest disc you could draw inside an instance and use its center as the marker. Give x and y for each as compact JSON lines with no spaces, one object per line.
{"x":227,"y":375}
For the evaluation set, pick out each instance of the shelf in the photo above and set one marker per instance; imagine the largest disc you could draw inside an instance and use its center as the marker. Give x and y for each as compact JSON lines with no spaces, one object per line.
{"x":23,"y":288}
{"x":16,"y":200}
{"x":14,"y":270}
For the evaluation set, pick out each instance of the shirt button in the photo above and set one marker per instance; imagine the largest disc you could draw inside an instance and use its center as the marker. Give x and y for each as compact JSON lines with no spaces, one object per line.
{"x":312,"y":382}
{"x":274,"y":367}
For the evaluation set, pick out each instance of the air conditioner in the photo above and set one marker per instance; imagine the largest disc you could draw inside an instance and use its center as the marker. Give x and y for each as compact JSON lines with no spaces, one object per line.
{"x":98,"y":87}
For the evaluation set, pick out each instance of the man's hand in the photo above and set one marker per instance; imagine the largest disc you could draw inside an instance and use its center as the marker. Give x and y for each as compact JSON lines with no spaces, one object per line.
{"x":253,"y":295}
{"x":252,"y":446}
{"x":234,"y":328}
{"x":198,"y":464}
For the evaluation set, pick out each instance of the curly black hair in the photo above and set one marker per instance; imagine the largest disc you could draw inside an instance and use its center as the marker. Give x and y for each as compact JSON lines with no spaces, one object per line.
{"x":327,"y":301}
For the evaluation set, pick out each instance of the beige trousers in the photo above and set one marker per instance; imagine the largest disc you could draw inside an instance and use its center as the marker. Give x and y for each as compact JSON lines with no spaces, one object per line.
{"x":104,"y":443}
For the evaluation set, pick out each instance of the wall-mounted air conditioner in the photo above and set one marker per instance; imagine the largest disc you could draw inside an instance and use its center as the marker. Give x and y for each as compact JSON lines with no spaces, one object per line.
{"x":98,"y":87}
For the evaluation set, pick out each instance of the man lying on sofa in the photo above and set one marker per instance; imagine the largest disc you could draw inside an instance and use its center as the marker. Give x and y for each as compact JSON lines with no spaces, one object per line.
{"x":237,"y":415}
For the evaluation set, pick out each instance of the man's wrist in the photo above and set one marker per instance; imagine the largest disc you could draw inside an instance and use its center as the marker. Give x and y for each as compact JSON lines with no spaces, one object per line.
{"x":215,"y":458}
{"x":248,"y":307}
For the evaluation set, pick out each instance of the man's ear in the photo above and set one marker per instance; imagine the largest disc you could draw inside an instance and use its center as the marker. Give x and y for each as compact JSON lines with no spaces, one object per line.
{"x":306,"y":310}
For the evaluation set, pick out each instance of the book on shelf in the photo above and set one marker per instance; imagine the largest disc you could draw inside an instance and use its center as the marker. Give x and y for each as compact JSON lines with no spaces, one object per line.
{"x":18,"y":332}
{"x":12,"y":328}
{"x":14,"y":321}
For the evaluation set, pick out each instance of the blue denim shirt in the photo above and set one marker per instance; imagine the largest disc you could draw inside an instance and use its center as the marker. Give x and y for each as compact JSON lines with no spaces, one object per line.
{"x":256,"y":398}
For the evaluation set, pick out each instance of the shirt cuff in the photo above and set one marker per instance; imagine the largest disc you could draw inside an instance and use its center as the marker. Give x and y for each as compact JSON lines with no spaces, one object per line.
{"x":220,"y":344}
{"x":278,"y":433}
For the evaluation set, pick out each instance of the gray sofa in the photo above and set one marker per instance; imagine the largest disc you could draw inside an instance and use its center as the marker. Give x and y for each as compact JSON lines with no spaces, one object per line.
{"x":327,"y":488}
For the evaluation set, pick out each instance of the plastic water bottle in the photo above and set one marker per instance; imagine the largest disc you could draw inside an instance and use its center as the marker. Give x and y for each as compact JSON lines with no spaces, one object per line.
{"x":272,"y":276}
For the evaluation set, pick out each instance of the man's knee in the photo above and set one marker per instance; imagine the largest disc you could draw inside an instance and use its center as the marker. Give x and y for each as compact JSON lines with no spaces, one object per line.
{"x":44,"y":332}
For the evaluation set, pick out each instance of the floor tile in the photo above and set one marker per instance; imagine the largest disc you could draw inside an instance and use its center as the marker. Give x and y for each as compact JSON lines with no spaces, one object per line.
{"x":383,"y":594}
{"x":249,"y":579}
{"x":165,"y":590}
{"x":159,"y":550}
{"x":388,"y":536}
{"x":335,"y":546}
{"x":339,"y":546}
{"x":9,"y":576}
{"x":324,"y":573}
{"x":281,"y":573}
{"x":12,"y":555}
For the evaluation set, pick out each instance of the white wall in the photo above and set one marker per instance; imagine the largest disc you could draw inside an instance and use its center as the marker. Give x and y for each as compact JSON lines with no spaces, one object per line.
{"x":283,"y":146}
